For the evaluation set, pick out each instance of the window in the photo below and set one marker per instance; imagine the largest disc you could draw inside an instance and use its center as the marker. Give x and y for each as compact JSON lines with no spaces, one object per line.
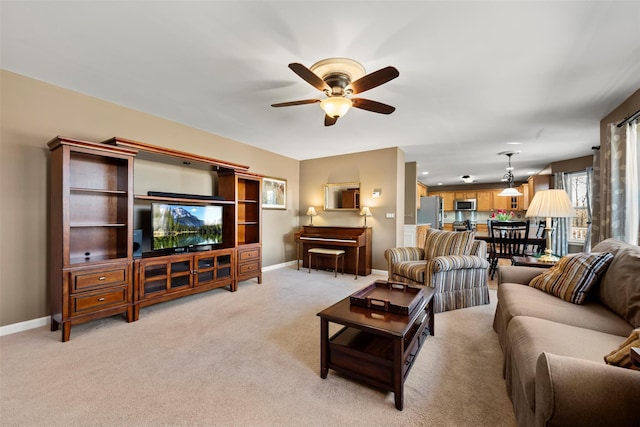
{"x":578,"y":193}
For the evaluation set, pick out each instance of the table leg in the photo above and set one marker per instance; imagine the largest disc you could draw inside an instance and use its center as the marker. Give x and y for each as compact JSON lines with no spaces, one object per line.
{"x":432,"y":331}
{"x":398,"y":386}
{"x":324,"y":347}
{"x":357,"y":260}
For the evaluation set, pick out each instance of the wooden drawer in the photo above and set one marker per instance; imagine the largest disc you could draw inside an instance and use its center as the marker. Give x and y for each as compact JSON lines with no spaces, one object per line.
{"x":94,"y":301}
{"x":248,"y":254}
{"x":248,"y":267}
{"x":84,"y":280}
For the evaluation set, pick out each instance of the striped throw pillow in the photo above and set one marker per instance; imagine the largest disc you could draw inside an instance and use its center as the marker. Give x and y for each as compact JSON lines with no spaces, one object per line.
{"x":621,"y":356}
{"x":441,"y":243}
{"x":573,"y":276}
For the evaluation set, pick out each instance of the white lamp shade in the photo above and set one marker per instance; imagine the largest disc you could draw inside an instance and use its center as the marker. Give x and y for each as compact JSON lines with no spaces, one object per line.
{"x":336,"y":106}
{"x":365,"y":211}
{"x":551,"y":204}
{"x":510,"y":192}
{"x":311,"y":211}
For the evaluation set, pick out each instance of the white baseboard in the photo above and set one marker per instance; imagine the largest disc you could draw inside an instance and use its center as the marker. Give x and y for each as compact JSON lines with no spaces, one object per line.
{"x":44,"y":321}
{"x":24,"y":326}
{"x":277,"y":266}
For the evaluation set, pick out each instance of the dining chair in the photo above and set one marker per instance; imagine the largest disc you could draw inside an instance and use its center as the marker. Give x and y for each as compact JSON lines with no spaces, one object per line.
{"x":508,"y":239}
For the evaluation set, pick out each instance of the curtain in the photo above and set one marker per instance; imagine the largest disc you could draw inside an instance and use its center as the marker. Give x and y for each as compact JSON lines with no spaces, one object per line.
{"x":632,"y":218}
{"x":615,"y":178}
{"x":560,"y":236}
{"x":587,"y":240}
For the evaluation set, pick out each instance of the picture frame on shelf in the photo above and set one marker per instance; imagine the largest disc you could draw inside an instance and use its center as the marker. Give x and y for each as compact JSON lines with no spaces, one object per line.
{"x":274,"y":193}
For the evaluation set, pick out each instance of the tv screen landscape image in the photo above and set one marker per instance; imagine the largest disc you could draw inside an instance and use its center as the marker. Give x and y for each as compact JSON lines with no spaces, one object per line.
{"x":184,"y":226}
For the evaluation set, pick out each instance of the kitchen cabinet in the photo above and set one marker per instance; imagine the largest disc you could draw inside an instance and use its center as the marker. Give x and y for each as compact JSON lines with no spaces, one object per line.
{"x":421,"y":191}
{"x":462,"y":195}
{"x":501,"y":202}
{"x":485,"y":200}
{"x":538,"y":182}
{"x":447,"y":200}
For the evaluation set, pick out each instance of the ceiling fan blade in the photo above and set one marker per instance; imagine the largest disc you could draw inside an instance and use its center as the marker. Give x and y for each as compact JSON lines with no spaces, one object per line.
{"x":330,"y":121}
{"x":292,"y":103}
{"x":375,"y":106}
{"x":374,"y":79}
{"x":309,"y":76}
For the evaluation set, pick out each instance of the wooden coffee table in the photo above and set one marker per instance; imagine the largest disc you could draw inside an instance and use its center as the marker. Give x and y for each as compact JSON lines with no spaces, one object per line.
{"x":375,"y":347}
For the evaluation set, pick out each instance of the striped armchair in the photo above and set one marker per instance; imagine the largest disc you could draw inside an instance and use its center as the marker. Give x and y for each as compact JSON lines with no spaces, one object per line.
{"x":451,"y":262}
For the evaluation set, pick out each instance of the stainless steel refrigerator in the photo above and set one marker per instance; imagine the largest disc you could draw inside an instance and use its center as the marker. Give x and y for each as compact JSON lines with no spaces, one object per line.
{"x":430,"y":212}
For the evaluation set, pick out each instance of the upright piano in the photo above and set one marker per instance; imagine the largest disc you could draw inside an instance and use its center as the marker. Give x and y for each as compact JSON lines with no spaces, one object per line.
{"x":355,"y":241}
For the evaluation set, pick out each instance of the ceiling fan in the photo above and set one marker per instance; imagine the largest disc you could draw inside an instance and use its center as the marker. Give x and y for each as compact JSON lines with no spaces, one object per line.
{"x":338,"y":78}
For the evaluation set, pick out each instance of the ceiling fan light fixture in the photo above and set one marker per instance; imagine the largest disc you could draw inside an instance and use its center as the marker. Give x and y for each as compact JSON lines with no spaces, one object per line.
{"x":336,"y":106}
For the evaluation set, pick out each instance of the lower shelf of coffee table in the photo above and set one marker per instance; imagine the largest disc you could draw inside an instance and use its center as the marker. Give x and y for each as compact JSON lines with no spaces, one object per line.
{"x":370,"y":358}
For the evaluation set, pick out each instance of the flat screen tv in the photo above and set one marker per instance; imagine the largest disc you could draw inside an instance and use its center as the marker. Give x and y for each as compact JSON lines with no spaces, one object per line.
{"x":184,"y":226}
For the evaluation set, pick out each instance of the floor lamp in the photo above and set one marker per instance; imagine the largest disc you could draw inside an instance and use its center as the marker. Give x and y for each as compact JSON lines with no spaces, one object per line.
{"x":550,"y":204}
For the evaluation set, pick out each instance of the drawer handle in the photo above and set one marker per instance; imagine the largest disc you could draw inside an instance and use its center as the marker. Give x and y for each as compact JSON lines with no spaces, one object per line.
{"x":101,"y":299}
{"x":102,"y":278}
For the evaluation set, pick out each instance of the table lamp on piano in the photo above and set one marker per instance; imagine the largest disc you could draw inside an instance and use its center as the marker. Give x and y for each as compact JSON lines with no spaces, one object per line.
{"x":365,"y":212}
{"x":311,"y":212}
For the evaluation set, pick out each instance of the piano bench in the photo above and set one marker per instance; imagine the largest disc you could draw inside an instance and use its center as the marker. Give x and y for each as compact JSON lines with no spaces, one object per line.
{"x":335,"y":253}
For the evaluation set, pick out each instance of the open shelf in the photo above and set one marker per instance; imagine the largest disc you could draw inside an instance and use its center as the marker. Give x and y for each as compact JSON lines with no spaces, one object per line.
{"x":183,"y":200}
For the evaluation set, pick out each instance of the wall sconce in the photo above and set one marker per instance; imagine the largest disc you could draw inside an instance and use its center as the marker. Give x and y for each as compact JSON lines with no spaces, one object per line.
{"x":311,"y":212}
{"x":376,"y":192}
{"x":365,"y":212}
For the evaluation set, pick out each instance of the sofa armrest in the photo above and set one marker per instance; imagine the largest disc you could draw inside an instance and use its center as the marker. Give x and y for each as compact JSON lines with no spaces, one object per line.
{"x":456,"y":262}
{"x":518,"y":274}
{"x":575,"y":392}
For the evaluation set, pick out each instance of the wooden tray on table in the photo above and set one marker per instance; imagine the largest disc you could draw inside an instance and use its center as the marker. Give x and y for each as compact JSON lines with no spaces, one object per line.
{"x":393,"y":297}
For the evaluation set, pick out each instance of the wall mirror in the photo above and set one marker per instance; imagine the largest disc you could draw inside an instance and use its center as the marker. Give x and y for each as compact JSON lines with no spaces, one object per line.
{"x":342,"y":196}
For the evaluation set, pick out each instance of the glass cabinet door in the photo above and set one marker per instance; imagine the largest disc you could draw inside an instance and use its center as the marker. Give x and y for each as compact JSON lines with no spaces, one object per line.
{"x":180,"y":273}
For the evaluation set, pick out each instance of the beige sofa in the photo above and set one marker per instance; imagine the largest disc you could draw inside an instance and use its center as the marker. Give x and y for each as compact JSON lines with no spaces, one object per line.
{"x":554,"y":350}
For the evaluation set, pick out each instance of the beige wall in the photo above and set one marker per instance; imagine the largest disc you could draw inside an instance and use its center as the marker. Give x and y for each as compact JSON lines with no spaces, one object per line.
{"x":624,"y":110}
{"x":34,"y":112}
{"x":383,"y":169}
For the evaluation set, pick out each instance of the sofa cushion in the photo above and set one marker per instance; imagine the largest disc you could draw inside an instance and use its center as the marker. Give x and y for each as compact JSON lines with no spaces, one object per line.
{"x":413,"y":270}
{"x":620,"y":356}
{"x":528,"y":337}
{"x":620,"y":286}
{"x":439,"y":243}
{"x":573,"y":276}
{"x":520,"y":300}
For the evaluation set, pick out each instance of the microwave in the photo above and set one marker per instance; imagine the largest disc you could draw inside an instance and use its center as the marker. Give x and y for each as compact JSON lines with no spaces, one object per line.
{"x":464,"y":205}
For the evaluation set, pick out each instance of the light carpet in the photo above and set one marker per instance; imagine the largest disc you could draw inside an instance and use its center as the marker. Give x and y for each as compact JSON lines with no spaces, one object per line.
{"x":249,"y":358}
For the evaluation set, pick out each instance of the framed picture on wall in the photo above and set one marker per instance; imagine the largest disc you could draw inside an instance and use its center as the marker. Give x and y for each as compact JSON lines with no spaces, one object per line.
{"x":274,"y":193}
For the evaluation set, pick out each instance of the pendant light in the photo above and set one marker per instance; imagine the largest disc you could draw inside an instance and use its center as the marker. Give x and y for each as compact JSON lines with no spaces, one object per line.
{"x":508,"y":177}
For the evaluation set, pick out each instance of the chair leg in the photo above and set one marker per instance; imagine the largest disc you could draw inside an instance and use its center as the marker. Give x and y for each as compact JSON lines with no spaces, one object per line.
{"x":335,"y":266}
{"x":494,"y":267}
{"x":309,"y":263}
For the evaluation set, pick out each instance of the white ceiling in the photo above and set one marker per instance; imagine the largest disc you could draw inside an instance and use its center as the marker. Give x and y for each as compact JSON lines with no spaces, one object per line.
{"x":474,"y":76}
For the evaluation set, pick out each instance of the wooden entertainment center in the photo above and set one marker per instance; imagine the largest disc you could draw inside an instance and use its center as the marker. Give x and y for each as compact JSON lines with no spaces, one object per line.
{"x":93,"y":273}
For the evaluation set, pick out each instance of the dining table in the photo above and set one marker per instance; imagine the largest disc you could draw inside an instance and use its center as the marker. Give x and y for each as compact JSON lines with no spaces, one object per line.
{"x":531,"y":241}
